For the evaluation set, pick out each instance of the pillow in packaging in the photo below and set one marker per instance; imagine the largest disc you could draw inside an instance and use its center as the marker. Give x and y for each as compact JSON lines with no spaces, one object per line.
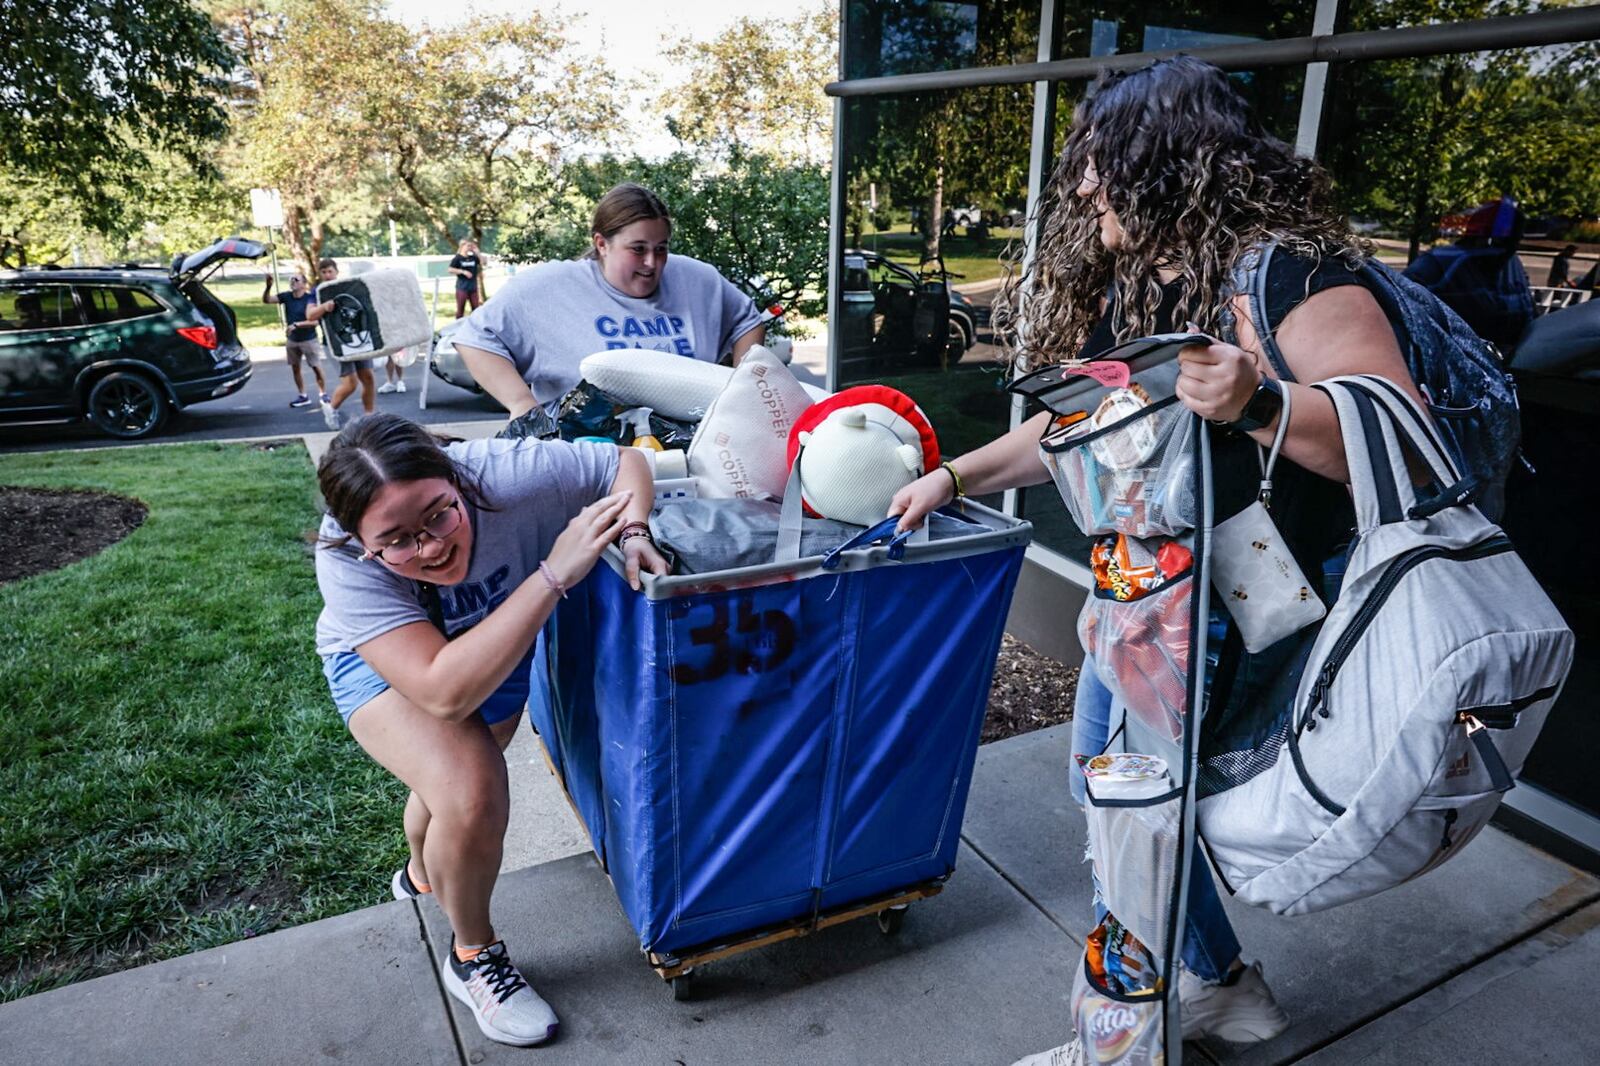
{"x":740,"y":449}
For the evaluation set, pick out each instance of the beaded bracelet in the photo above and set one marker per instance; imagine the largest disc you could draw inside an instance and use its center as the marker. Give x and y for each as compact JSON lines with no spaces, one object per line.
{"x":961,"y":490}
{"x":634,"y":530}
{"x":551,"y":580}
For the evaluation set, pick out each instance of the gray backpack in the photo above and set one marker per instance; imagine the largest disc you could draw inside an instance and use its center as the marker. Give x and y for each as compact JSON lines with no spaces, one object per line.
{"x":1427,"y":685}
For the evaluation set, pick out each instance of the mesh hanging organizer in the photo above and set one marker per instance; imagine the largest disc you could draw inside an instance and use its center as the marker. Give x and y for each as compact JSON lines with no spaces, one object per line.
{"x":1133,"y":464}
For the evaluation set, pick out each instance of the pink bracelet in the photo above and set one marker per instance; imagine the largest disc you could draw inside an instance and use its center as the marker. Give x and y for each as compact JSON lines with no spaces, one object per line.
{"x":550,"y":579}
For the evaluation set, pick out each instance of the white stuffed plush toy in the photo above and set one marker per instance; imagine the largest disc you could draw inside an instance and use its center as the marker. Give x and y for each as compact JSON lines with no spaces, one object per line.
{"x":855,"y":450}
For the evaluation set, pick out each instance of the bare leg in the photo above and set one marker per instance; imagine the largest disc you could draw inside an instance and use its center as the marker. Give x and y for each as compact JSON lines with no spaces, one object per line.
{"x":322,"y":384}
{"x":417,"y":815}
{"x":299,"y":379}
{"x":369,"y":390}
{"x":458,"y":773}
{"x":347,"y":385}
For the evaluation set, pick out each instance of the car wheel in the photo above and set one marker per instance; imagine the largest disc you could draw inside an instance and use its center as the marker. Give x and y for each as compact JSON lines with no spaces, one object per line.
{"x":959,"y":341}
{"x":127,"y":405}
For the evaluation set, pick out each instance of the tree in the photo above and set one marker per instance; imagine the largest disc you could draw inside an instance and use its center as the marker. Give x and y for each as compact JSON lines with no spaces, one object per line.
{"x":1452,"y":131}
{"x":758,"y":85}
{"x":484,"y":110}
{"x":452,"y":128}
{"x":89,"y":89}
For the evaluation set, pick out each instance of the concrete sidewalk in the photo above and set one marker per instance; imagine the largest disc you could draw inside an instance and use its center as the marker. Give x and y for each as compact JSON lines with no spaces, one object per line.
{"x":1489,"y":959}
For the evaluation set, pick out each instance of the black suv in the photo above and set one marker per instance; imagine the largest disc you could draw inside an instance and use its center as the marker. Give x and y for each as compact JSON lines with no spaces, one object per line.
{"x":123,"y":347}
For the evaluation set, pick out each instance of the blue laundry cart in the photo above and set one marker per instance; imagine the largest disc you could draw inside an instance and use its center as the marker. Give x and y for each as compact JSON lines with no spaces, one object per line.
{"x":761,"y":752}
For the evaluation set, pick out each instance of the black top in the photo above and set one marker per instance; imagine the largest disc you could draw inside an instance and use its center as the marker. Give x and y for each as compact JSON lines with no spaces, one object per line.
{"x":469,"y":263}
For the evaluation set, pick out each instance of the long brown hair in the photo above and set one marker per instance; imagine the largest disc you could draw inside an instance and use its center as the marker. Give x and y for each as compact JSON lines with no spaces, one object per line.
{"x":1196,"y":183}
{"x":375,"y":451}
{"x":621,"y":207}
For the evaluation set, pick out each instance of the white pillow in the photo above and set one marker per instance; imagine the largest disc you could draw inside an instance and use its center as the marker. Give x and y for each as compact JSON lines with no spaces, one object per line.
{"x":672,"y":385}
{"x":741,"y":448}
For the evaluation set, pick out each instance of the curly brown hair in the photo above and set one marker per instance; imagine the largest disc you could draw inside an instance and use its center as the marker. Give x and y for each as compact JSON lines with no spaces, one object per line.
{"x":1195,"y":181}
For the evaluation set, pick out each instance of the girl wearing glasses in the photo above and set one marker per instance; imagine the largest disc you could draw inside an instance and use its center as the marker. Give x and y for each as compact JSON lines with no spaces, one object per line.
{"x":438,"y":565}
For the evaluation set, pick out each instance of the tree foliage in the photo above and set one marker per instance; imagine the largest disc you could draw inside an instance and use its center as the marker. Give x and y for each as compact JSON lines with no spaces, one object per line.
{"x":1413,"y":140}
{"x":91,"y":90}
{"x":758,"y":85}
{"x":450,"y":128}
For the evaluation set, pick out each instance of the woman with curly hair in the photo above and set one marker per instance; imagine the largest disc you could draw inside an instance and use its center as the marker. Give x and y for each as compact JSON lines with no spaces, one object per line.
{"x":1167,"y":186}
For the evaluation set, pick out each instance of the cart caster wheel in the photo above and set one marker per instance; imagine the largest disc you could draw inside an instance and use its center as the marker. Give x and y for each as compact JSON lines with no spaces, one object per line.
{"x":683,"y":986}
{"x":891,"y":919}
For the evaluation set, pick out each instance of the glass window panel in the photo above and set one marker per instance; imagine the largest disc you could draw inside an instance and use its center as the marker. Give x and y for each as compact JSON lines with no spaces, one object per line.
{"x":941,"y":173}
{"x":1110,"y":28}
{"x":884,"y":37}
{"x":114,"y":303}
{"x":29,"y":307}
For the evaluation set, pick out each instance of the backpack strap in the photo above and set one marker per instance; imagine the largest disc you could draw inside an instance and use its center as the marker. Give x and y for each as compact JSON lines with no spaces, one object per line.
{"x":1450,"y":487}
{"x":1250,"y":278}
{"x":1375,"y":443}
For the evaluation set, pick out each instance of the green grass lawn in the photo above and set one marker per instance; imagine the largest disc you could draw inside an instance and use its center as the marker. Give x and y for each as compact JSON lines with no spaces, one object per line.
{"x":175,"y":776}
{"x":977,"y":260}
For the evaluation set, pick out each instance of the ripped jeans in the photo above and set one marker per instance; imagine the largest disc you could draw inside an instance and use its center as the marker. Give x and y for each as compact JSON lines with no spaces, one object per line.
{"x":1209,"y":943}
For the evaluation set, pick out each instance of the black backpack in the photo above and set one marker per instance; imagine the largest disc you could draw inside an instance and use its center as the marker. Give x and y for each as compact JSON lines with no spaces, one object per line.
{"x":1463,"y":377}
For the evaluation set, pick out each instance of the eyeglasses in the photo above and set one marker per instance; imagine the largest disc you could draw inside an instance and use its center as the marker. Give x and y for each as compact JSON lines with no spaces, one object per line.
{"x":406,"y":547}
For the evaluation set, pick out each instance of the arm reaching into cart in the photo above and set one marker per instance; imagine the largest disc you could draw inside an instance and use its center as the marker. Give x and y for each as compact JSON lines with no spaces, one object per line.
{"x":1007,"y":462}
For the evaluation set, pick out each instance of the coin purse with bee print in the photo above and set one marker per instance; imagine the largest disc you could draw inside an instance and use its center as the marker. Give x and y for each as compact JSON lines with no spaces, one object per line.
{"x":1253,"y":570}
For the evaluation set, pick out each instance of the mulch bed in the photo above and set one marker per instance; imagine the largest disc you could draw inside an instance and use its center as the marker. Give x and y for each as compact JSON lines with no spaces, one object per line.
{"x":1030,"y":691}
{"x":46,"y":529}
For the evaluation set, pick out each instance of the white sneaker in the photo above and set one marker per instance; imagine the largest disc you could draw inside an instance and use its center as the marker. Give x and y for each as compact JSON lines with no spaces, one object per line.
{"x":1241,"y":1013}
{"x":330,"y":416}
{"x":1068,"y":1054}
{"x":400,"y":386}
{"x":387,"y":386}
{"x":505,"y":1006}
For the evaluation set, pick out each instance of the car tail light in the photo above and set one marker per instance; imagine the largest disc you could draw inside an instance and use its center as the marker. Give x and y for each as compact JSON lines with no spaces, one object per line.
{"x":204,"y":336}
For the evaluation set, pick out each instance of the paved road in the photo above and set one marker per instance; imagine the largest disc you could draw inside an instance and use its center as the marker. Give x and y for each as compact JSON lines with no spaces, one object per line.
{"x":261,"y":409}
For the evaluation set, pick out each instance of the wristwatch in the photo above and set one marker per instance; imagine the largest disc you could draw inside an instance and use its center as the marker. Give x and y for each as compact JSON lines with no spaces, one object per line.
{"x":1262,"y":407}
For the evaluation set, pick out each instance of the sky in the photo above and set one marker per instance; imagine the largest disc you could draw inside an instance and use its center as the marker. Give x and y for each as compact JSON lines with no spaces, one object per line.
{"x":632,"y":35}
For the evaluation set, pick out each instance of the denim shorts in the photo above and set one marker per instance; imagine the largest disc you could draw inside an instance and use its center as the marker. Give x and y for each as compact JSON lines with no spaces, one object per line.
{"x":354,"y":684}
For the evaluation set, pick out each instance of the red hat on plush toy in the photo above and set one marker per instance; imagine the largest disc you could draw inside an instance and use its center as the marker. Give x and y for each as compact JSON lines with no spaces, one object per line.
{"x":857,"y":448}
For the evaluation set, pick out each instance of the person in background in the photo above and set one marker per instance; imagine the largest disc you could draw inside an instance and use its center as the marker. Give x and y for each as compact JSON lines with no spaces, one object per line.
{"x":1480,"y":276}
{"x":1561,"y":269}
{"x":467,"y":266}
{"x":623,"y":293}
{"x":438,"y":564}
{"x":351,"y":371}
{"x":301,"y":340}
{"x":394,"y":375}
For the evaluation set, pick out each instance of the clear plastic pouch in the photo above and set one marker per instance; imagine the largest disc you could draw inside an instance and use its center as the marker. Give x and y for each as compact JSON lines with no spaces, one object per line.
{"x":1135,"y":847}
{"x":1141,"y":651}
{"x":1133,"y":475}
{"x":1115,"y":1028}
